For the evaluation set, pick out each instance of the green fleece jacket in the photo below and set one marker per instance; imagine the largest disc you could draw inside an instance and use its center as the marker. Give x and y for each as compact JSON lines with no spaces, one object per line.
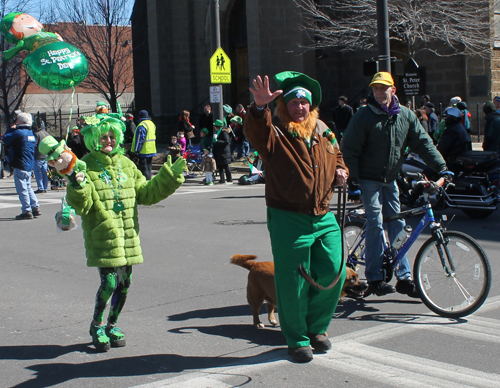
{"x":112,"y":238}
{"x":374,"y":144}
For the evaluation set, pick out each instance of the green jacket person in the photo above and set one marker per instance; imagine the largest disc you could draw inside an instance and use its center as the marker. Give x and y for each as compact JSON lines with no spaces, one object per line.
{"x":107,"y":205}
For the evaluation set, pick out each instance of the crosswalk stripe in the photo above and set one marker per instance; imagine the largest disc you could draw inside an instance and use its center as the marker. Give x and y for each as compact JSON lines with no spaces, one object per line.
{"x":355,"y":354}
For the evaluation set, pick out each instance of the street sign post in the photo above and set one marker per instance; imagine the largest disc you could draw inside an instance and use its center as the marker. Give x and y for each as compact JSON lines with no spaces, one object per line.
{"x":215,"y":94}
{"x":220,"y":67}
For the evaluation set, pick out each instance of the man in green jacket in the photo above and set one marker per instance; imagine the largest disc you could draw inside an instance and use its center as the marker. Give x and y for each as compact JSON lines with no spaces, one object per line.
{"x":374,"y":147}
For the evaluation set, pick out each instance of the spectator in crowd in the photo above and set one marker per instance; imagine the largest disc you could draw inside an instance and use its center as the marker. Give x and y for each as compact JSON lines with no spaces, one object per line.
{"x":76,"y":143}
{"x":174,"y":149}
{"x":496,"y":102}
{"x":491,"y":128}
{"x":342,"y":114}
{"x":239,"y":138}
{"x":222,"y":151}
{"x":425,"y":99}
{"x":22,"y":142}
{"x":422,"y":117}
{"x":129,"y":132}
{"x":207,"y":119}
{"x":41,"y":166}
{"x":432,"y":119}
{"x":455,"y":140}
{"x":208,"y":166}
{"x":186,"y":127}
{"x":205,"y":140}
{"x":144,"y":143}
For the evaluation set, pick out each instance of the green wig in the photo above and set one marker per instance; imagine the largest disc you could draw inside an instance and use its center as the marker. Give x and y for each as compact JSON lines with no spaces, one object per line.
{"x":5,"y":26}
{"x":97,"y":128}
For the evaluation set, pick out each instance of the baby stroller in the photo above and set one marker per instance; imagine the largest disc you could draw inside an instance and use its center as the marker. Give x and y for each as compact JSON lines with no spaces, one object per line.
{"x":57,"y":182}
{"x":193,"y":158}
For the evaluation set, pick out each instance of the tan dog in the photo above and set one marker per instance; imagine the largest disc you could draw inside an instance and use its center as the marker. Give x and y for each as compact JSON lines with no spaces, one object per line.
{"x":260,"y":286}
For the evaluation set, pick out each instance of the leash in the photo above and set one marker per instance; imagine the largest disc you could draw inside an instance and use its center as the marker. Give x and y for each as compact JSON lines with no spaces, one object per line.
{"x":302,"y":270}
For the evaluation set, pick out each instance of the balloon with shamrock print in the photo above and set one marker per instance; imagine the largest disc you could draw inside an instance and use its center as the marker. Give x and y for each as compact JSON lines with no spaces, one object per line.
{"x":51,"y":63}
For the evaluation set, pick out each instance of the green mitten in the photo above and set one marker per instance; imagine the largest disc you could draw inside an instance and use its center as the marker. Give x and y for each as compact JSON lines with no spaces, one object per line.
{"x":178,"y":167}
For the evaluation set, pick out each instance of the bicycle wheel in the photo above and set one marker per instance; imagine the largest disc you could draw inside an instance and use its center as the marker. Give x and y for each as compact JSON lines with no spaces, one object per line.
{"x":457,"y":293}
{"x":353,"y":250}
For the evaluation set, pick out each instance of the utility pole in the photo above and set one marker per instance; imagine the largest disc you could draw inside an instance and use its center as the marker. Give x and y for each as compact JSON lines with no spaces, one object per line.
{"x":215,"y":44}
{"x":384,"y":51}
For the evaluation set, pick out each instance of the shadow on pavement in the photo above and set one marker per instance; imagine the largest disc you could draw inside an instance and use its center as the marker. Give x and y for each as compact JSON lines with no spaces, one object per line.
{"x":48,"y":375}
{"x":270,"y":337}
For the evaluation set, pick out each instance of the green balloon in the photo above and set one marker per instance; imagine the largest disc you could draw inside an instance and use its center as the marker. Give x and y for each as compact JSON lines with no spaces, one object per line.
{"x":57,"y":66}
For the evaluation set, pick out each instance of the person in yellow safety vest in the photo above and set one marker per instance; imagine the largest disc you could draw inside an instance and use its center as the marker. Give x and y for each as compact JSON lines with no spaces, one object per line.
{"x":144,"y":143}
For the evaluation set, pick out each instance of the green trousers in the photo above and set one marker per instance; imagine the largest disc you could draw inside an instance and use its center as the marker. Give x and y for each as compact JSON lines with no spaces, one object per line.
{"x":315,"y":242}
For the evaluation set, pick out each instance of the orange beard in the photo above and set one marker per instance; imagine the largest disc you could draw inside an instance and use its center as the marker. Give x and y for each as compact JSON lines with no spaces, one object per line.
{"x":304,"y":129}
{"x":70,"y":165}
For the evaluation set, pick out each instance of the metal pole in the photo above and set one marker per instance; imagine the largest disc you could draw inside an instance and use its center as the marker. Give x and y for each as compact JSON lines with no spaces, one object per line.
{"x":215,"y":43}
{"x":384,"y":52}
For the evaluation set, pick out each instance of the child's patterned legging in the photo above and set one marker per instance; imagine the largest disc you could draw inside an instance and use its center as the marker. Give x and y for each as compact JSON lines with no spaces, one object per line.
{"x":115,"y":283}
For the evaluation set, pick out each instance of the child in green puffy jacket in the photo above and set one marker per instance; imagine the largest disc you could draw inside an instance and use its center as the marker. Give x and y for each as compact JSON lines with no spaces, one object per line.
{"x":107,"y":203}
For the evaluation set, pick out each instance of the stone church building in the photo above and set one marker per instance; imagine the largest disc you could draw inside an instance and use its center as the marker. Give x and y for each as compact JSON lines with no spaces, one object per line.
{"x":172,"y":49}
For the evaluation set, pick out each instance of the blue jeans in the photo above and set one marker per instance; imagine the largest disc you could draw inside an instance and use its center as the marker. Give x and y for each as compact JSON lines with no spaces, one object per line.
{"x":381,"y":199}
{"x":22,"y":180}
{"x":42,"y":179}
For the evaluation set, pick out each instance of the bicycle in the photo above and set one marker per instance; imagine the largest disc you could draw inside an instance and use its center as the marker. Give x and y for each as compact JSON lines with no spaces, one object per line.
{"x":452,"y":272}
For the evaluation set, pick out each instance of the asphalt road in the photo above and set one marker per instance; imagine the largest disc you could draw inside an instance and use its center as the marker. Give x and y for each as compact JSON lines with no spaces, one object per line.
{"x":187,"y":321}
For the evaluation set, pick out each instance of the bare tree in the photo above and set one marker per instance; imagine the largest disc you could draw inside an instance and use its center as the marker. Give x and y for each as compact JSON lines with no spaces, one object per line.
{"x":13,"y":79}
{"x":101,"y":30}
{"x":444,"y":27}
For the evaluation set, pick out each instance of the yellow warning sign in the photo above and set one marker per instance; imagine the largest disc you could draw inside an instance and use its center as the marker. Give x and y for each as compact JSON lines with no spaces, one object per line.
{"x":220,"y":68}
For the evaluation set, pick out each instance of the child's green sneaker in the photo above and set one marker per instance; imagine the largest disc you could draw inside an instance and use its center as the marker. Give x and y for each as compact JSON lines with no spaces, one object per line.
{"x":116,"y":337}
{"x":99,"y":337}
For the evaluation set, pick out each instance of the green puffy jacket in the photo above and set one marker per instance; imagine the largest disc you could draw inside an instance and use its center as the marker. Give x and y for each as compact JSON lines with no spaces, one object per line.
{"x":112,"y":238}
{"x":374,"y":144}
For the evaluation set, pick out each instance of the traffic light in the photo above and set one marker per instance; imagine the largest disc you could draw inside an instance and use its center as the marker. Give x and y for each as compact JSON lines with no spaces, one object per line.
{"x":370,"y":68}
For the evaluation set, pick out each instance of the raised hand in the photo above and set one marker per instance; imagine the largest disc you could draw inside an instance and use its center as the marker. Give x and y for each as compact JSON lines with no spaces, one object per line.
{"x":179,"y":166}
{"x":261,"y":93}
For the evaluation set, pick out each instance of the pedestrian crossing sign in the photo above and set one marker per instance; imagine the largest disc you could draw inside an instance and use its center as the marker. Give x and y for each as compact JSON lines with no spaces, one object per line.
{"x":220,"y":67}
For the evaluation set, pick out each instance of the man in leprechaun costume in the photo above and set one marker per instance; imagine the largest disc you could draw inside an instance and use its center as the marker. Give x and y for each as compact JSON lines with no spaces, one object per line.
{"x":107,"y":204}
{"x":303,"y":163}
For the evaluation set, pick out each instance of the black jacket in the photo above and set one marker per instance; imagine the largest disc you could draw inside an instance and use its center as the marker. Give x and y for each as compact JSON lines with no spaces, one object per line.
{"x":454,"y":142}
{"x":222,"y":148}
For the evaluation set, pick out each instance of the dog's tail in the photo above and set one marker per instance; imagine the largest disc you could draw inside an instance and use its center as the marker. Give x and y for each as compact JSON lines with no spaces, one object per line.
{"x":245,"y":261}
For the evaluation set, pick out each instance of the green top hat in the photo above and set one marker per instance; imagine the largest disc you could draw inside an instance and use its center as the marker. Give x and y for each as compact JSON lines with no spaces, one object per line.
{"x":300,"y":85}
{"x":218,"y":123}
{"x":101,"y":103}
{"x":5,"y":26}
{"x":204,"y":130}
{"x":50,"y":147}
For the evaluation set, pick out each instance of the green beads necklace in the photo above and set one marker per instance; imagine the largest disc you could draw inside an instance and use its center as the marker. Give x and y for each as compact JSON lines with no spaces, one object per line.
{"x":106,"y":178}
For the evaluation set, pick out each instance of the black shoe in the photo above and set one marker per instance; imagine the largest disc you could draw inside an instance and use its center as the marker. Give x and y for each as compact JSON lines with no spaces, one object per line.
{"x":407,"y":287}
{"x":36,"y":212}
{"x":320,"y":342}
{"x":379,"y":288}
{"x":302,"y":354}
{"x":40,"y":191}
{"x":25,"y":216}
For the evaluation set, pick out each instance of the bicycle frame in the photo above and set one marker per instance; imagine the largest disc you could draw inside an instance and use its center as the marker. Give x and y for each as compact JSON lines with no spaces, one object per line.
{"x":428,"y":218}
